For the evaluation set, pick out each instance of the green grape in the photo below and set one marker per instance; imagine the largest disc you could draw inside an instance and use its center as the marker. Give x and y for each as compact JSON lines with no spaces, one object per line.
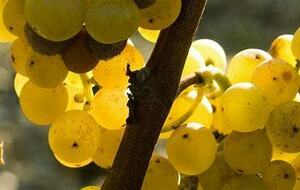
{"x":104,"y":106}
{"x":43,"y":105}
{"x":73,"y":164}
{"x":118,"y":21}
{"x":248,"y":153}
{"x":280,"y":155}
{"x":160,"y":15}
{"x":279,"y":175}
{"x":194,"y":62}
{"x":5,"y":35}
{"x":150,"y":35}
{"x":19,"y":82}
{"x":296,"y":44}
{"x":160,"y":175}
{"x":76,"y":100}
{"x":244,"y":182}
{"x":243,"y":64}
{"x":46,"y":71}
{"x":191,"y":149}
{"x":13,"y":16}
{"x":112,"y":73}
{"x":20,"y":52}
{"x":283,"y":127}
{"x":278,"y":80}
{"x":74,"y":136}
{"x":212,"y":53}
{"x":107,"y":150}
{"x":217,"y":175}
{"x":281,"y":48}
{"x":55,"y":20}
{"x":91,"y":188}
{"x":244,"y":107}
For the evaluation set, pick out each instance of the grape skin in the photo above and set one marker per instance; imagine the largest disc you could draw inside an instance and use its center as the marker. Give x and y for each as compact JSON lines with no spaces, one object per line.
{"x":5,"y":35}
{"x":19,"y":82}
{"x":244,"y":183}
{"x":296,"y":44}
{"x":20,"y":53}
{"x":150,"y":35}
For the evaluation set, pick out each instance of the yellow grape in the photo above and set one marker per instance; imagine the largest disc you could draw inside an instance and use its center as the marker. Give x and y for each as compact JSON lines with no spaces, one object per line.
{"x":46,"y":71}
{"x":281,"y":48}
{"x":243,"y":64}
{"x":279,"y":175}
{"x":73,"y":164}
{"x":20,"y":53}
{"x":278,"y":80}
{"x":19,"y":82}
{"x":91,"y":188}
{"x":244,"y":182}
{"x":150,"y":35}
{"x":217,"y":175}
{"x":74,"y":136}
{"x":212,"y":53}
{"x":245,"y":107}
{"x":191,"y":149}
{"x":5,"y":35}
{"x":283,"y":127}
{"x":280,"y":155}
{"x":112,"y":73}
{"x":296,"y":44}
{"x":13,"y":16}
{"x":160,"y":175}
{"x":43,"y":105}
{"x":248,"y":153}
{"x":107,"y":150}
{"x":118,"y":21}
{"x":73,"y":80}
{"x":194,"y":62}
{"x":160,"y":15}
{"x":109,"y":108}
{"x":55,"y":20}
{"x":76,"y":100}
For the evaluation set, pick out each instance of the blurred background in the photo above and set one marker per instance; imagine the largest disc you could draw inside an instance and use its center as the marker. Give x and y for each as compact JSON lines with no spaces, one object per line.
{"x":235,"y":24}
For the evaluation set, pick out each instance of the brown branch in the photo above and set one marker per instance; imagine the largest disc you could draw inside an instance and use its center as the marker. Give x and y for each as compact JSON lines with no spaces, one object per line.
{"x":193,"y":79}
{"x":153,"y":91}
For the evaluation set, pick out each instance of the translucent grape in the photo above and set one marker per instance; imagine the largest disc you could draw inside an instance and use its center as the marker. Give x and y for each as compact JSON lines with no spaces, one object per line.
{"x":19,"y":82}
{"x":244,"y":182}
{"x":110,"y":141}
{"x":76,"y":98}
{"x":243,"y":64}
{"x":73,"y":164}
{"x":248,"y":153}
{"x":20,"y":52}
{"x":281,"y":48}
{"x":279,"y":175}
{"x":278,"y":80}
{"x":117,"y":22}
{"x":160,"y":175}
{"x":112,"y":73}
{"x":74,"y":136}
{"x":43,"y":105}
{"x":5,"y":35}
{"x":283,"y":127}
{"x":212,"y":53}
{"x":91,"y":188}
{"x":150,"y":35}
{"x":244,"y":107}
{"x":73,"y":80}
{"x":160,"y":15}
{"x":194,"y":62}
{"x":296,"y":44}
{"x":55,"y":20}
{"x":104,"y":106}
{"x":280,"y":155}
{"x":13,"y":16}
{"x":191,"y":149}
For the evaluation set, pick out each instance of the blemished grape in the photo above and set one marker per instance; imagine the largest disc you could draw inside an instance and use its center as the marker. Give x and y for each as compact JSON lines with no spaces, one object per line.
{"x":104,"y":106}
{"x":46,"y":71}
{"x":194,"y":62}
{"x":283,"y":127}
{"x":279,"y":175}
{"x":212,"y":53}
{"x":43,"y":105}
{"x":42,"y":45}
{"x":118,"y":21}
{"x":191,"y":149}
{"x":73,"y":164}
{"x":281,"y":48}
{"x":160,"y":15}
{"x":13,"y":16}
{"x":296,"y":44}
{"x":55,"y":20}
{"x":150,"y":35}
{"x":19,"y":82}
{"x":160,"y":175}
{"x":112,"y":73}
{"x":110,"y":141}
{"x":20,"y":52}
{"x":77,"y":56}
{"x":245,"y":107}
{"x":91,"y":188}
{"x":74,"y":136}
{"x":76,"y":98}
{"x":217,"y":175}
{"x":5,"y":35}
{"x":248,"y":153}
{"x":244,"y":182}
{"x":278,"y":80}
{"x":243,"y":64}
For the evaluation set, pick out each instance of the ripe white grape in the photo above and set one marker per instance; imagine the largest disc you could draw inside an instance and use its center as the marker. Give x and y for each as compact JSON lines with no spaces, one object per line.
{"x":244,"y":182}
{"x":296,"y":44}
{"x":19,"y":82}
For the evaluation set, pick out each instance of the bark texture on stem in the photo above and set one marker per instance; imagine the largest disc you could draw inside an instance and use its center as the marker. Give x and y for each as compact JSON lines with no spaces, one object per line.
{"x":153,"y":88}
